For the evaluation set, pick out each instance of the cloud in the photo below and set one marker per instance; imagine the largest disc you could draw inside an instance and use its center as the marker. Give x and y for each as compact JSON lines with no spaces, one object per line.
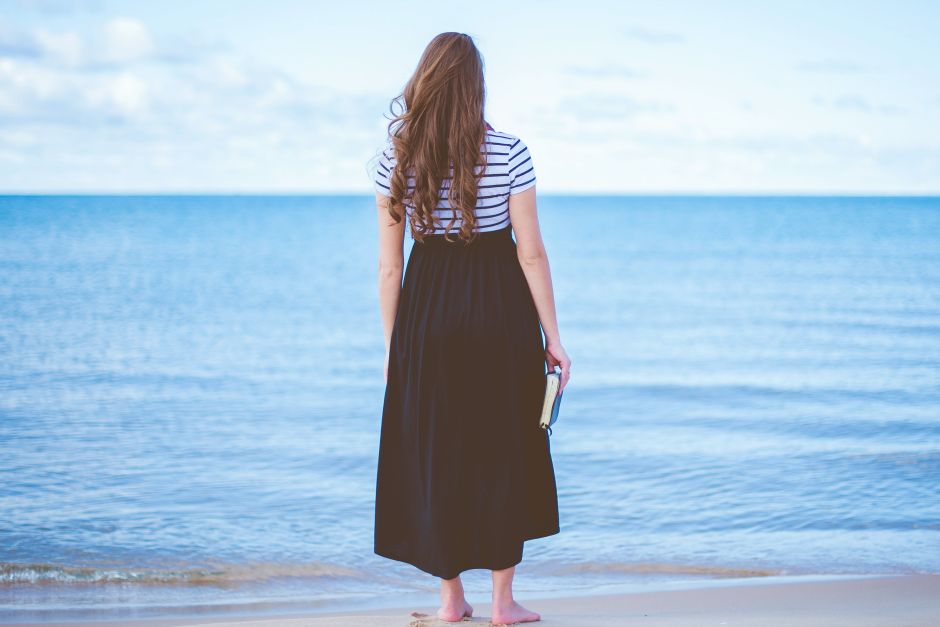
{"x":152,"y":113}
{"x":592,"y":106}
{"x":59,"y":7}
{"x":125,"y":94}
{"x":119,"y":43}
{"x":598,"y":118}
{"x":32,"y":95}
{"x":61,"y":79}
{"x":604,"y":71}
{"x":651,"y":36}
{"x":855,"y":102}
{"x":66,"y":48}
{"x":830,"y":66}
{"x":127,"y":39}
{"x":14,"y":43}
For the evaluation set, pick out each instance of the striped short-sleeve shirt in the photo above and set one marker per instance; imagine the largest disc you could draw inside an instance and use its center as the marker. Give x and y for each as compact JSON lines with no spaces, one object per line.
{"x":509,"y":170}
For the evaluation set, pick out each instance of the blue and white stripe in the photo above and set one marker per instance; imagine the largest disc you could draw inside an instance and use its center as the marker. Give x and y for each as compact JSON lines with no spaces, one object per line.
{"x":509,"y":171}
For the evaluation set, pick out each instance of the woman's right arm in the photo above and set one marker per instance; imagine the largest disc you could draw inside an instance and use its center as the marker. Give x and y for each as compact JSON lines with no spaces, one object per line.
{"x":534,"y":261}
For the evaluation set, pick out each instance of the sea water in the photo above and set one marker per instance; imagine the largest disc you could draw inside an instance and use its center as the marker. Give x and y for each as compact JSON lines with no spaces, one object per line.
{"x":191,"y":393}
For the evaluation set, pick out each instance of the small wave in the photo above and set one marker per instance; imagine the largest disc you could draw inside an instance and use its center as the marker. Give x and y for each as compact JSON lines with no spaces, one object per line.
{"x":640,"y":568}
{"x":28,"y":574}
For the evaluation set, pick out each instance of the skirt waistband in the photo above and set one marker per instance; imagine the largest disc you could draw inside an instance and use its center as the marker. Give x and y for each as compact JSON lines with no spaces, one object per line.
{"x":482,"y":237}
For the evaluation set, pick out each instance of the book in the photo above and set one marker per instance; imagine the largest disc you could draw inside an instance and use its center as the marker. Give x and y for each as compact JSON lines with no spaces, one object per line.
{"x":552,"y":400}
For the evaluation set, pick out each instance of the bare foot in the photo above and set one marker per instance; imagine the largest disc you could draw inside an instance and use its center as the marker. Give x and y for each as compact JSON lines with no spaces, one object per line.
{"x":513,"y":613}
{"x":455,"y":611}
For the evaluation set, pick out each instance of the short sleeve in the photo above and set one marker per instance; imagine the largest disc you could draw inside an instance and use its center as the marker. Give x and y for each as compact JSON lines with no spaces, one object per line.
{"x":383,"y":170}
{"x":521,"y":169}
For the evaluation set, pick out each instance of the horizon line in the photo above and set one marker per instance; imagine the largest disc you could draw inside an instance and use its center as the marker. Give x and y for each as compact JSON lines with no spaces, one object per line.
{"x":370,"y":194}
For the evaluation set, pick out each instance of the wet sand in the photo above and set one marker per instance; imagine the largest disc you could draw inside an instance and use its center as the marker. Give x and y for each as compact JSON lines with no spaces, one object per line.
{"x":908,"y":600}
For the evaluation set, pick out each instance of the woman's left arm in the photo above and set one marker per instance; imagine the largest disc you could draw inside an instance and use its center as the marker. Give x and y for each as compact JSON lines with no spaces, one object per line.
{"x":391,"y":266}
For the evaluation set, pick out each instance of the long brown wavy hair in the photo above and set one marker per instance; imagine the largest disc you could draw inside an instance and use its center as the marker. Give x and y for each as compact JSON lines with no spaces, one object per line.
{"x":441,"y":124}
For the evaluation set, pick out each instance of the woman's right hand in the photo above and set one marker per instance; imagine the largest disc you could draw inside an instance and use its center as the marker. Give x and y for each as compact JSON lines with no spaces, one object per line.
{"x":555,"y":355}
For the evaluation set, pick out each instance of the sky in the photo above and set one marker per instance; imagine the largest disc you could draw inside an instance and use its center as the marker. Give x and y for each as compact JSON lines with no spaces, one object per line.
{"x":611,"y":97}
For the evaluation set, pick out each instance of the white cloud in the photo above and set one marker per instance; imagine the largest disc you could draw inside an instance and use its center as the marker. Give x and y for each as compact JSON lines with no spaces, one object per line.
{"x":66,"y":48}
{"x":127,"y":39}
{"x":830,"y":66}
{"x":203,"y":118}
{"x":858,"y":103}
{"x":60,"y":7}
{"x":23,"y":84}
{"x":651,"y":35}
{"x":31,"y":94}
{"x":128,"y":93}
{"x":604,"y":71}
{"x":14,"y":43}
{"x":278,"y":93}
{"x":226,"y":74}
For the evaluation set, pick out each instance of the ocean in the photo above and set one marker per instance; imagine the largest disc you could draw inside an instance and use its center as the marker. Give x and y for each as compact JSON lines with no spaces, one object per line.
{"x":191,"y":392}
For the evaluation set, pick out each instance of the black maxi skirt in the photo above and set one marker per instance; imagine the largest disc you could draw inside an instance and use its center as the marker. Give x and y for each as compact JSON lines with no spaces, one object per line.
{"x":465,"y":473}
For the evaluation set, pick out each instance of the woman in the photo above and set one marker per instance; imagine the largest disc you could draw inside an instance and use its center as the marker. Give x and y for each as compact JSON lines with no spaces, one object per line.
{"x":465,"y":474}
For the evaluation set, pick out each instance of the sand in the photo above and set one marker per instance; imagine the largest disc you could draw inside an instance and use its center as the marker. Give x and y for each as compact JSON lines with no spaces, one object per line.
{"x":883,"y":601}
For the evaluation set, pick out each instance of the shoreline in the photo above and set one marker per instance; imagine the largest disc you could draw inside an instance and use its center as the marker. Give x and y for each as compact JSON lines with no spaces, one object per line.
{"x":852,"y":599}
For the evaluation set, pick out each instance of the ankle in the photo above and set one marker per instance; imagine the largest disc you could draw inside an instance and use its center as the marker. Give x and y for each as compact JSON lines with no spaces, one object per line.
{"x":503,"y":601}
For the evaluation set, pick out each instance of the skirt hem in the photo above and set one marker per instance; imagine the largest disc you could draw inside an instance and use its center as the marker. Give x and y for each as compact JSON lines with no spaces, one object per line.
{"x":392,"y":555}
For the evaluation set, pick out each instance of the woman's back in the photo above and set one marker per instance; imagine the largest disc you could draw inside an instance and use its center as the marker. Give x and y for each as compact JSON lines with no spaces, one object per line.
{"x":509,"y":170}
